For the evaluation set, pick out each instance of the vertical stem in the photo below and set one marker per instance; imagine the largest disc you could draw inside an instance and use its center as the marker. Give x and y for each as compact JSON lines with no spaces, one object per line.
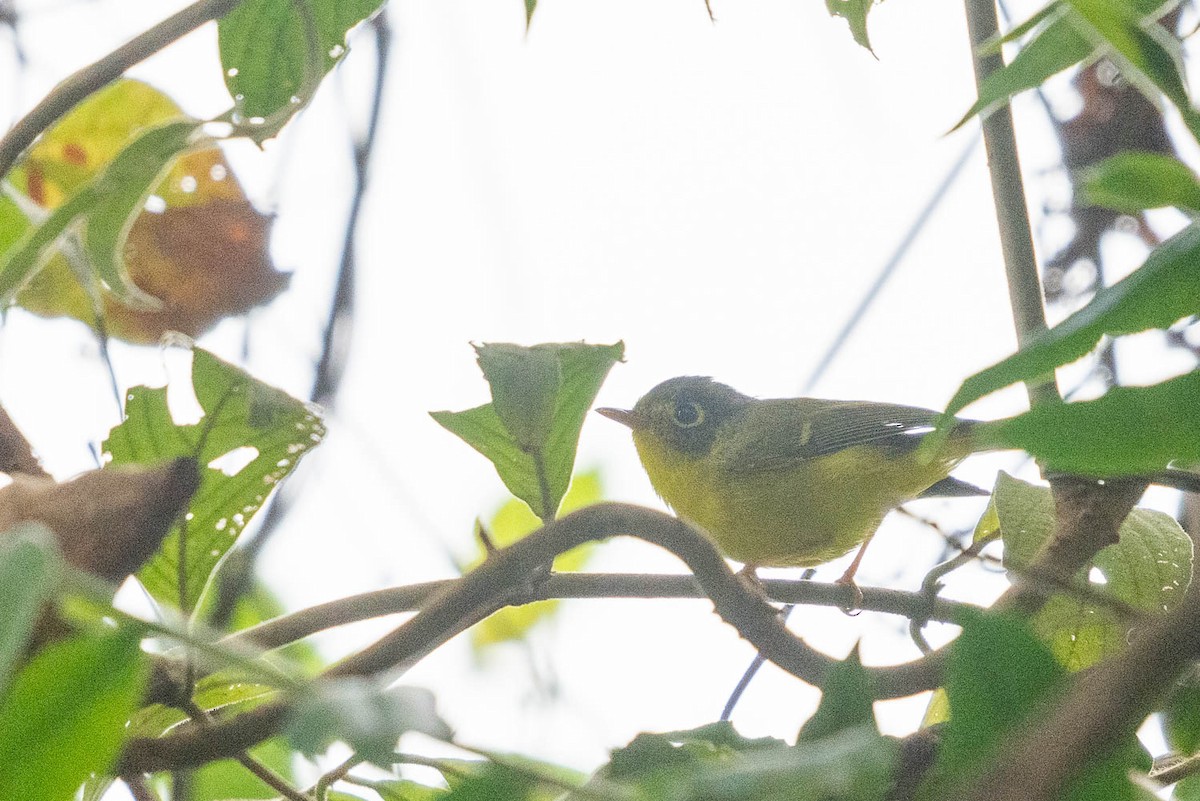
{"x":1008,"y":192}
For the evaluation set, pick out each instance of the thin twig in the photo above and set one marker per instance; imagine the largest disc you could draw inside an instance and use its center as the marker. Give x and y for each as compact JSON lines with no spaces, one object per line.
{"x":351,"y":609}
{"x":1008,"y":193}
{"x":99,"y":74}
{"x":321,"y":788}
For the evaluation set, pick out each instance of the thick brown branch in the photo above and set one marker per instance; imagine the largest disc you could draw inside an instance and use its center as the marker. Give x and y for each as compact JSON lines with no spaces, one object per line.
{"x":96,"y":76}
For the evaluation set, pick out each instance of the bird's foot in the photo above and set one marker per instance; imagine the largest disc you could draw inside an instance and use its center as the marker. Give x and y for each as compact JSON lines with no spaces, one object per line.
{"x":854,"y":607}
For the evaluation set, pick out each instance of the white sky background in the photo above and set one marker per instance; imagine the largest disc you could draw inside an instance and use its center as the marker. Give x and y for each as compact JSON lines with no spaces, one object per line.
{"x":719,"y":197}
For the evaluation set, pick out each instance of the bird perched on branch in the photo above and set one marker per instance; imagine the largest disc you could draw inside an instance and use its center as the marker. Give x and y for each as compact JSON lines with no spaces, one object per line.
{"x":790,"y":481}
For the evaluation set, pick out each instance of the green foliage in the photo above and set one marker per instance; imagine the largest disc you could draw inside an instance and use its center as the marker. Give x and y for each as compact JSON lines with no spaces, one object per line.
{"x":30,"y":570}
{"x":64,"y":716}
{"x":228,"y":778}
{"x":1055,"y":46}
{"x":1131,"y":182}
{"x":1148,"y":570}
{"x":14,"y":225}
{"x":530,"y":431}
{"x":1165,"y":289}
{"x":714,"y":763}
{"x":274,"y":52}
{"x":1147,"y":55}
{"x":363,"y":715}
{"x":513,"y":521}
{"x":855,"y":13}
{"x":846,"y":701}
{"x":240,"y":412}
{"x":1127,"y":431}
{"x":1181,"y":714}
{"x":997,"y":677}
{"x":1066,"y":32}
{"x":102,"y":212}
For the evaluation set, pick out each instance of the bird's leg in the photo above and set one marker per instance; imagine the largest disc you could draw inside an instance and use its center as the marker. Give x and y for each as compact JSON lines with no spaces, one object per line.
{"x":750,"y":580}
{"x":847,"y":578}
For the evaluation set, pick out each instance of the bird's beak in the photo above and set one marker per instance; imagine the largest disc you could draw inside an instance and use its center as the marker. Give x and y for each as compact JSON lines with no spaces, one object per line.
{"x":625,"y":417}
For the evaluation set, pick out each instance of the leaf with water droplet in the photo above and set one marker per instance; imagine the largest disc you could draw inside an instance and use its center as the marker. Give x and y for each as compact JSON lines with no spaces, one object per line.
{"x":1148,"y":570}
{"x":268,"y":56}
{"x":223,"y":504}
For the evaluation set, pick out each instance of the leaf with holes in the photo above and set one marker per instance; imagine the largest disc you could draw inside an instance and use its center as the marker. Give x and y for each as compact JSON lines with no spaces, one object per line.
{"x":200,"y":255}
{"x":250,"y":438}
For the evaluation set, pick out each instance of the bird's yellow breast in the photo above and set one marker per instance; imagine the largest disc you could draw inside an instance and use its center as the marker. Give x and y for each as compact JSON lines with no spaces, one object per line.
{"x":806,"y":514}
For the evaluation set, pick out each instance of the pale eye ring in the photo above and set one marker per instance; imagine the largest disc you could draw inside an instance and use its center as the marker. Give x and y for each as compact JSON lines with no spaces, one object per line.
{"x":688,"y":414}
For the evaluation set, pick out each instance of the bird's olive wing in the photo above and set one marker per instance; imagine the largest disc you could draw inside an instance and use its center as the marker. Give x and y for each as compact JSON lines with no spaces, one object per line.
{"x":778,"y":434}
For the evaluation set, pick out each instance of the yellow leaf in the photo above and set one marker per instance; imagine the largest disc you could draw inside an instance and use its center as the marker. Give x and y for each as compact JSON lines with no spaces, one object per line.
{"x":204,"y":250}
{"x":513,"y":521}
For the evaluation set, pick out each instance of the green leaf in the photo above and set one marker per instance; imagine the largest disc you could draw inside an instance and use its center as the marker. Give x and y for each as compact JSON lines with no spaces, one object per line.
{"x":855,"y":12}
{"x":225,"y":691}
{"x":854,"y":765}
{"x":104,"y":209}
{"x":1187,"y":789}
{"x":512,"y":522}
{"x":1148,"y":55}
{"x":240,"y":412}
{"x":404,"y":790}
{"x":121,"y":192}
{"x":716,"y":764}
{"x":30,"y":570}
{"x":14,"y":225}
{"x":228,"y":778}
{"x":1165,"y":289}
{"x":1055,"y":47}
{"x":1181,"y":714}
{"x":1131,"y":182}
{"x":530,"y":7}
{"x":366,"y":718}
{"x":538,"y":476}
{"x":846,"y":701}
{"x":64,"y":717}
{"x":525,"y":384}
{"x":268,"y":56}
{"x":996,"y":673}
{"x":1126,"y":431}
{"x":1148,"y":569}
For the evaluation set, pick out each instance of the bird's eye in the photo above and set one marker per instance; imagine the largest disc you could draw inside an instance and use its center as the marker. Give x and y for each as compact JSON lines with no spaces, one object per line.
{"x":688,"y":414}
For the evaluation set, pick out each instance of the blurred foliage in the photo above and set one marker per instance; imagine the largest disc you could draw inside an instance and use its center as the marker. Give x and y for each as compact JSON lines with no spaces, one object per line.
{"x":86,"y":247}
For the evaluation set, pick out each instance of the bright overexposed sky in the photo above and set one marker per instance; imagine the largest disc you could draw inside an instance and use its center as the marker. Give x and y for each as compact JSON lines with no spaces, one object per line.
{"x":717,"y":196}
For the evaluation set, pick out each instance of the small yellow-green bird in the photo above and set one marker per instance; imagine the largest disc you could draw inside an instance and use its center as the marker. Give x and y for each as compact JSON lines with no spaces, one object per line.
{"x":789,"y":481}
